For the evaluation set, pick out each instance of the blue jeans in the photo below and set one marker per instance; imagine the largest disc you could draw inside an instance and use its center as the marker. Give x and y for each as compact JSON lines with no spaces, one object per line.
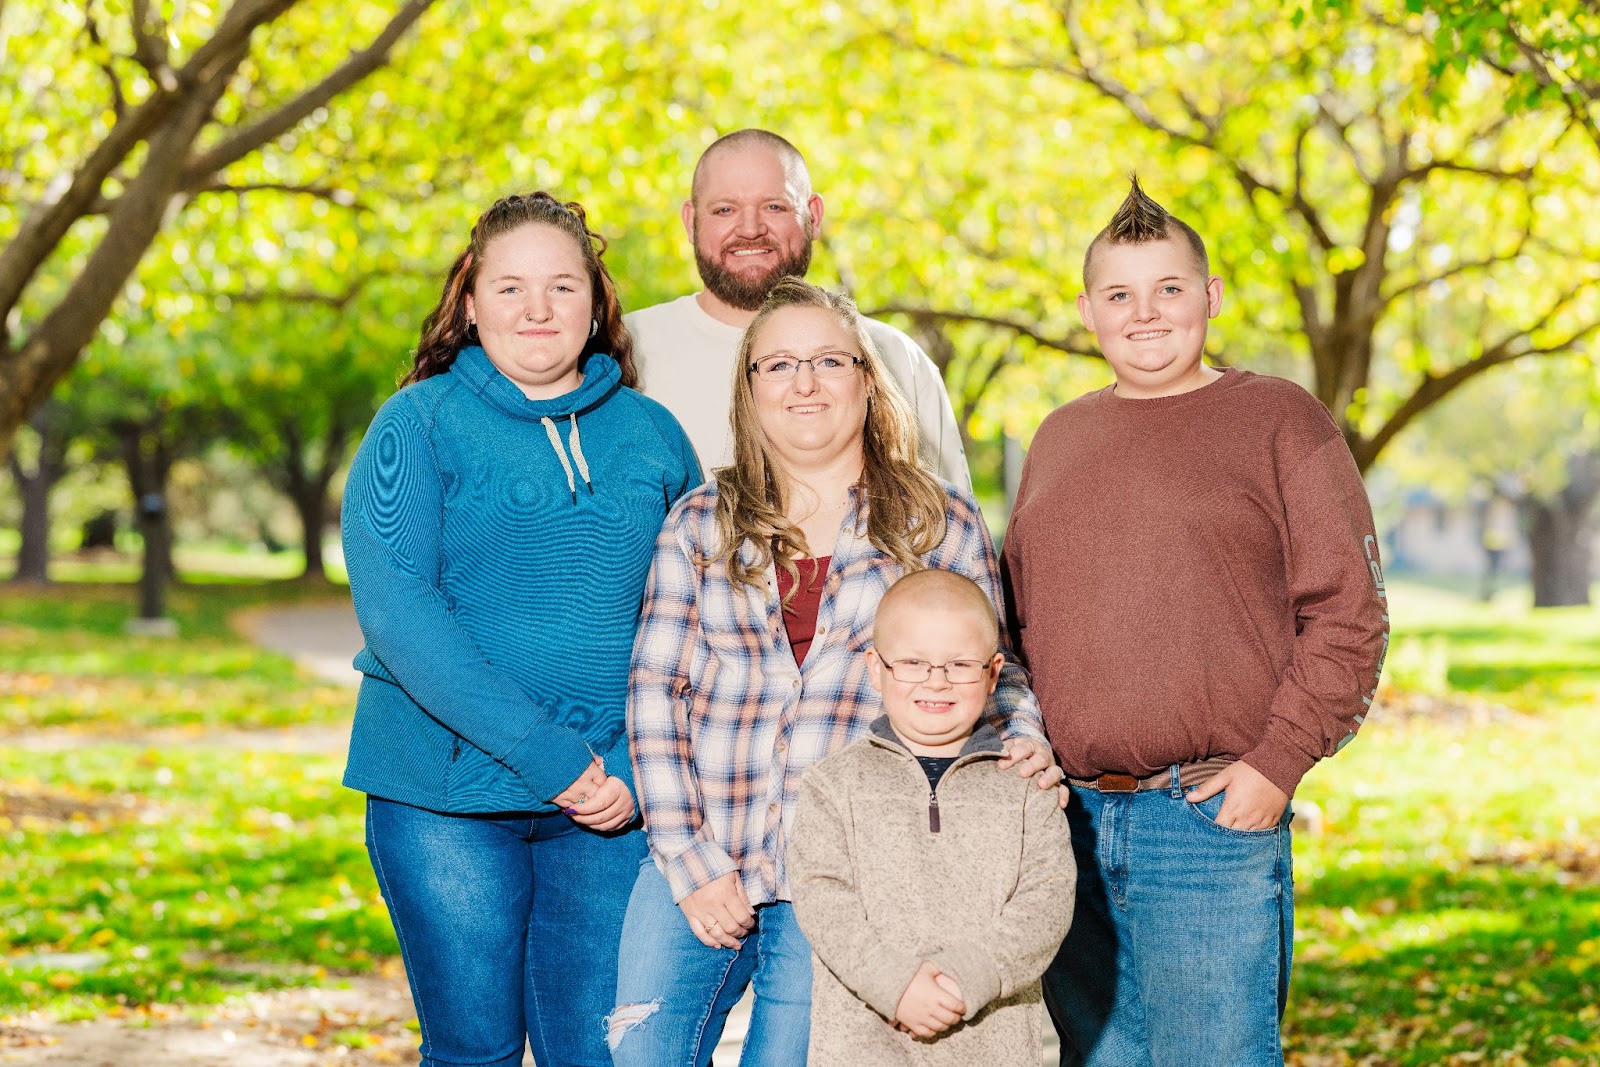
{"x":674,"y":993}
{"x":1181,"y":940}
{"x":509,"y":926}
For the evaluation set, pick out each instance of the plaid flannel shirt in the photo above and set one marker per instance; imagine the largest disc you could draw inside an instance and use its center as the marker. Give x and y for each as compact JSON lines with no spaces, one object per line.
{"x":722,"y":723}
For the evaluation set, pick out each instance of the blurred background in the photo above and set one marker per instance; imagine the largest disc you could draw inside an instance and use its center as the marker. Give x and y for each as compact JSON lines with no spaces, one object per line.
{"x":221,"y":225}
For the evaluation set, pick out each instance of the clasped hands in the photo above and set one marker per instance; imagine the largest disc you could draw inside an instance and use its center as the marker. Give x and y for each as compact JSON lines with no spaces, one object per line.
{"x":931,"y":1004}
{"x":597,"y":800}
{"x":719,"y":913}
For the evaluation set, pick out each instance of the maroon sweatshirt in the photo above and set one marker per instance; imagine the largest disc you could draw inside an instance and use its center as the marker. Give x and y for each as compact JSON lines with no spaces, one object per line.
{"x":1196,"y":576}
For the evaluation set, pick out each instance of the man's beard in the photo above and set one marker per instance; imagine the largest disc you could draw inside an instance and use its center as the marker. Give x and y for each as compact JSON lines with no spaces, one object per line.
{"x":747,"y":292}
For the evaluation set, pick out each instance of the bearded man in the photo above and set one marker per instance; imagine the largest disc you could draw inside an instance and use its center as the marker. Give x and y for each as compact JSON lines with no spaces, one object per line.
{"x":753,"y":217}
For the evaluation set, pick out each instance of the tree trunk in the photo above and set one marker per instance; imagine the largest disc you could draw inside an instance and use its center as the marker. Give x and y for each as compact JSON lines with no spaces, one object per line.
{"x":148,"y":460}
{"x":33,"y":556}
{"x":312,"y":506}
{"x":1561,"y":534}
{"x":156,"y":528}
{"x":306,"y":485}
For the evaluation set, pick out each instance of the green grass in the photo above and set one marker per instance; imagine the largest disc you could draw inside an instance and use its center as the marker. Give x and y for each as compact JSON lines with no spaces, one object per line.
{"x":180,"y":875}
{"x":1452,"y":903}
{"x":133,"y":874}
{"x":202,"y":563}
{"x":1449,"y":911}
{"x":1504,"y":651}
{"x":68,"y":662}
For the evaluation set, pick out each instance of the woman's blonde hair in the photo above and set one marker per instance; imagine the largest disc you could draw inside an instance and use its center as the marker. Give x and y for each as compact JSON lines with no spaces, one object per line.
{"x":905,"y":504}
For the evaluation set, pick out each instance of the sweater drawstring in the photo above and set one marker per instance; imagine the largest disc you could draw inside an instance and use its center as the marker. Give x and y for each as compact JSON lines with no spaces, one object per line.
{"x":561,"y":454}
{"x":577,"y":455}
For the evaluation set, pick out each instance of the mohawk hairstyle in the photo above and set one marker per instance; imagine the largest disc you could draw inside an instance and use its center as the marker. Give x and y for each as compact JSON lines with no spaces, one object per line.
{"x":1140,"y":220}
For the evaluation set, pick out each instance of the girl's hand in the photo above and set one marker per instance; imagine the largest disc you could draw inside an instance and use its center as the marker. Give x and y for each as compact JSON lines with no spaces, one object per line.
{"x":596,"y":800}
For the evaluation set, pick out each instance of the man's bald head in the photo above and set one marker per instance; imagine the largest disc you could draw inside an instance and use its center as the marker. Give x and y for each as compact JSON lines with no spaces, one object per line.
{"x":794,"y":164}
{"x":927,"y":590}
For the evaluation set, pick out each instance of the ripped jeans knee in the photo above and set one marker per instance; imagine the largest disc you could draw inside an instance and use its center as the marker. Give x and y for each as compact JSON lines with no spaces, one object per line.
{"x":627,"y":1017}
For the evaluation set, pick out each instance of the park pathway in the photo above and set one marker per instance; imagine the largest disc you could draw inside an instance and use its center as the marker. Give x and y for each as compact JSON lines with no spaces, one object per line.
{"x":322,"y":638}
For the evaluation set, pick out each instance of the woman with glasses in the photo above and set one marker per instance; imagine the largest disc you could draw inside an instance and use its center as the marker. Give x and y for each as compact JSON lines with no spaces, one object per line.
{"x":749,"y":667}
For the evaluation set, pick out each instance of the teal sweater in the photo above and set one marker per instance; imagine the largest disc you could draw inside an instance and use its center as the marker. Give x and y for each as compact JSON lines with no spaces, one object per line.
{"x":497,"y":549}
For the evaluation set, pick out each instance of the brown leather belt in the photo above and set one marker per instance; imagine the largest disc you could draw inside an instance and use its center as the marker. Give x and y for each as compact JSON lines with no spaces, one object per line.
{"x":1189,"y":774}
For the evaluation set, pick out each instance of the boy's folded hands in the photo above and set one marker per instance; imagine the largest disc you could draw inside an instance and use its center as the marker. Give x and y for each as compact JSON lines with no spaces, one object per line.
{"x":931,"y":1004}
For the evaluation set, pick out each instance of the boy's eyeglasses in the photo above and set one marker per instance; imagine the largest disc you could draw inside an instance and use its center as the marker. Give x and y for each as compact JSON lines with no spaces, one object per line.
{"x":956,"y":672}
{"x":825,"y":365}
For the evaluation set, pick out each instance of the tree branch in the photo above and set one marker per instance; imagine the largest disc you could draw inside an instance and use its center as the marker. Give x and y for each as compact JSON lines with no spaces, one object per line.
{"x":1341,"y":127}
{"x":972,"y":397}
{"x":247,"y":139}
{"x":1457,"y":270}
{"x":1208,"y":122}
{"x":149,"y":37}
{"x":1074,"y":344}
{"x":847,"y":277}
{"x":1311,"y":317}
{"x":1032,"y":65}
{"x":338,"y":301}
{"x":119,"y":104}
{"x":341,"y":197}
{"x":1422,"y":170}
{"x":49,"y":351}
{"x":1297,"y":198}
{"x":1560,"y":304}
{"x":1114,"y":89}
{"x":1135,"y":105}
{"x":67,"y":202}
{"x":1577,"y":102}
{"x":1433,"y":388}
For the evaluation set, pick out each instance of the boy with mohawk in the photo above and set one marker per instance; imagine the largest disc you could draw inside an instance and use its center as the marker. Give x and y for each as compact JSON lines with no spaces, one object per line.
{"x":1194,"y":585}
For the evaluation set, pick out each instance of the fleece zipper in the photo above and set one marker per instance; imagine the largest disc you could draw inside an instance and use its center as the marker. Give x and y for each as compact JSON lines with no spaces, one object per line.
{"x":898,"y":747}
{"x":933,"y":790}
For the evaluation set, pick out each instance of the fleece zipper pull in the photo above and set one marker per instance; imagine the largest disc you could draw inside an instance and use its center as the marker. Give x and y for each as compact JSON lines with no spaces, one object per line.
{"x":933,"y":810}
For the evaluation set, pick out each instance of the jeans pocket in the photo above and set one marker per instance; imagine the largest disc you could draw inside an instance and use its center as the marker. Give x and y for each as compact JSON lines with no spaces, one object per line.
{"x":1207,"y":810}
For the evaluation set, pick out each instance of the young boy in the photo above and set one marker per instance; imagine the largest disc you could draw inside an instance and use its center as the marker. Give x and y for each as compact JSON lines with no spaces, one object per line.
{"x":1194,"y":585}
{"x":933,"y":888}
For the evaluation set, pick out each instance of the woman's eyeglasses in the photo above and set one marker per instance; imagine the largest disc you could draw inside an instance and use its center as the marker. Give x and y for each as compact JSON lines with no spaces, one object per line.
{"x":825,"y":365}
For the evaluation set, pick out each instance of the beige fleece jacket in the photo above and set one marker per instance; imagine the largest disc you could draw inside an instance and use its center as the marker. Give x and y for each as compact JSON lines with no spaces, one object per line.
{"x":988,"y":898}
